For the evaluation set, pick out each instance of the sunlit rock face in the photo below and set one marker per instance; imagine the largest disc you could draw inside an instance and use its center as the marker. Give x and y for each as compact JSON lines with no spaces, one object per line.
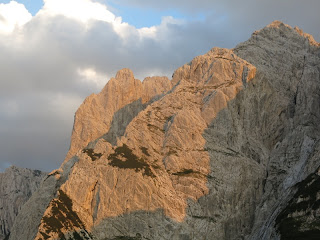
{"x":96,"y":114}
{"x":215,"y":153}
{"x":16,"y":187}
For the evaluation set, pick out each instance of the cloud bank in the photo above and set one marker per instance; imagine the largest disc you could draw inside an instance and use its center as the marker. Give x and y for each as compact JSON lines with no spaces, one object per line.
{"x":51,"y":61}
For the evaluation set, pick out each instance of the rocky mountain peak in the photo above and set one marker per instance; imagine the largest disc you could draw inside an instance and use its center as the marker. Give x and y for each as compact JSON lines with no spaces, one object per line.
{"x":282,"y":26}
{"x":125,"y":76}
{"x":310,"y":38}
{"x":154,"y":160}
{"x":277,"y":24}
{"x":217,"y":67}
{"x":123,"y":97}
{"x":219,"y":152}
{"x":279,"y":32}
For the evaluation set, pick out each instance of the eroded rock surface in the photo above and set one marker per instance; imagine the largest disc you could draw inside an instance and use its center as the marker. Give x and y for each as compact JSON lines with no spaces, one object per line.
{"x":27,"y":222}
{"x":300,"y":219}
{"x":217,"y":153}
{"x":115,"y":106}
{"x":161,"y":161}
{"x":16,"y":187}
{"x":289,"y":112}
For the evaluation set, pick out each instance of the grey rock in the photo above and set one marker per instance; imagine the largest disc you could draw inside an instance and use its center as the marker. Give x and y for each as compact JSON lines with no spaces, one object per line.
{"x":288,"y":63}
{"x":27,"y":221}
{"x":224,"y":154}
{"x":16,"y":187}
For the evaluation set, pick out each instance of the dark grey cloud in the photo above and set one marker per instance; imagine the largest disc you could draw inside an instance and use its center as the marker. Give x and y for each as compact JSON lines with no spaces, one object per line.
{"x":43,"y":65}
{"x":246,"y":15}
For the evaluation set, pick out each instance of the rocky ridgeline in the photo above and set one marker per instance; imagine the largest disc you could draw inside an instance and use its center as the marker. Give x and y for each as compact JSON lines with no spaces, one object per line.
{"x":16,"y":187}
{"x":228,"y":149}
{"x":117,"y":104}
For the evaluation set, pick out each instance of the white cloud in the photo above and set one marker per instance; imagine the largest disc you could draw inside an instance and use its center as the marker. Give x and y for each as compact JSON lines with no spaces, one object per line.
{"x":149,"y":32}
{"x":91,"y":76}
{"x":13,"y":15}
{"x":83,"y":10}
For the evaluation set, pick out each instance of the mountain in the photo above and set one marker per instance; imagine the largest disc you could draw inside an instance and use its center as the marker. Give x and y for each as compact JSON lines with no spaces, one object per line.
{"x":227,"y":149}
{"x":16,"y":187}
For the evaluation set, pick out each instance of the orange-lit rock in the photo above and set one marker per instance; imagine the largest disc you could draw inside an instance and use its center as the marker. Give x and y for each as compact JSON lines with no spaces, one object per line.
{"x":214,"y":154}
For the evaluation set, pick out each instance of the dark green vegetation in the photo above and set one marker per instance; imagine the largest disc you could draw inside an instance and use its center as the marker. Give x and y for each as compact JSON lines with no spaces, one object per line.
{"x":137,"y":237}
{"x":94,"y":156}
{"x":145,"y":151}
{"x":62,"y":218}
{"x":184,"y":172}
{"x":305,"y":224}
{"x":77,"y":236}
{"x":125,"y":158}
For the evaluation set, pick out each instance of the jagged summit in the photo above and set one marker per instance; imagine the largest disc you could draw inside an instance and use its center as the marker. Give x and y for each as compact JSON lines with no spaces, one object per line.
{"x":280,"y":29}
{"x":125,"y":76}
{"x":216,"y":153}
{"x":277,"y":24}
{"x":95,"y":116}
{"x":309,"y":37}
{"x":208,"y":69}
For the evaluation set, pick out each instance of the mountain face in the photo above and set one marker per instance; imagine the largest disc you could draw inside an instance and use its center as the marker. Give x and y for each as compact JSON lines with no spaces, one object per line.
{"x":16,"y":187}
{"x":116,"y":105}
{"x":227,"y":149}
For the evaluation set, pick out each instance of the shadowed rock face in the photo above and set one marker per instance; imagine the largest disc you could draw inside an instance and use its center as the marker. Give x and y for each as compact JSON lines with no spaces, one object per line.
{"x":217,"y":153}
{"x":16,"y":187}
{"x":300,"y":218}
{"x":288,"y":117}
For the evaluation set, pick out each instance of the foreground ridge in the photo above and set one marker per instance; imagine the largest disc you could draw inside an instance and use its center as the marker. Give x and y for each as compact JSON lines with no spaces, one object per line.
{"x":16,"y":187}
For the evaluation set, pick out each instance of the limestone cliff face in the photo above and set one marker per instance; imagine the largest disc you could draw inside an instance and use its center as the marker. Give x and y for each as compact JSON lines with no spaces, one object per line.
{"x":288,"y":120}
{"x":219,"y":152}
{"x":161,"y":160}
{"x":97,"y":113}
{"x":300,"y":218}
{"x":16,"y":187}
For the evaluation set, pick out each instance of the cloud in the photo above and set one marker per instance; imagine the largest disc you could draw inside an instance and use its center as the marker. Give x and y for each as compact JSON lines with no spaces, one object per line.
{"x":247,"y":14}
{"x":50,"y":62}
{"x":12,"y":15}
{"x":91,"y":76}
{"x":83,"y":10}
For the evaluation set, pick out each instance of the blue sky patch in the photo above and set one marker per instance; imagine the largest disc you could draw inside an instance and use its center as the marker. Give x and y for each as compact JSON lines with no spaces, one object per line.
{"x":148,"y":17}
{"x":33,"y":6}
{"x":138,"y":17}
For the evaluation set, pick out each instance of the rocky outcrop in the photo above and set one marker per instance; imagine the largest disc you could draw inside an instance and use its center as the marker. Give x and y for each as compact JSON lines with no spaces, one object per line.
{"x":288,"y":63}
{"x":114,"y":107}
{"x":27,"y":222}
{"x":220,"y":152}
{"x":155,"y":165}
{"x":300,"y":219}
{"x":16,"y":187}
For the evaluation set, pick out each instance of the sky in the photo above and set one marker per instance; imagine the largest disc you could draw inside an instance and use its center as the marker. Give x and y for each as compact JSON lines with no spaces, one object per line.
{"x":54,"y":53}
